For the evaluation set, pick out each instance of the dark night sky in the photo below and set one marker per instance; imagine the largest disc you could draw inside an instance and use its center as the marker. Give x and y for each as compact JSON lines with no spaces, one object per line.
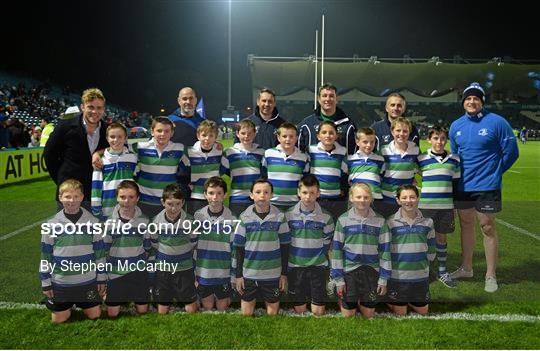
{"x":141,"y":52}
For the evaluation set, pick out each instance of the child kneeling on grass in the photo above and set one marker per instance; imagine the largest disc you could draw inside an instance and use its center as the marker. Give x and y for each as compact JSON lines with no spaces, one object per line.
{"x":173,"y":244}
{"x":361,"y":263}
{"x":62,"y":283}
{"x":127,"y":245}
{"x":262,"y":250}
{"x":213,"y":267}
{"x":413,"y":248}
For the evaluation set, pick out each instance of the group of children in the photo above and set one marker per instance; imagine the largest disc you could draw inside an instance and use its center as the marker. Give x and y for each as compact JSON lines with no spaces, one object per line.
{"x":289,"y":224}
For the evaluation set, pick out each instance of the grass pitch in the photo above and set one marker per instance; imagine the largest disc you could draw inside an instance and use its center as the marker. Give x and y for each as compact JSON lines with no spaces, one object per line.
{"x":28,"y":326}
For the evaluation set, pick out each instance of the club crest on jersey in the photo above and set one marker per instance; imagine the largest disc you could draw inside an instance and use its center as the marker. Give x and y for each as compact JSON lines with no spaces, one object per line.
{"x":458,"y":133}
{"x":91,"y":295}
{"x":386,"y":138}
{"x":483,"y":132}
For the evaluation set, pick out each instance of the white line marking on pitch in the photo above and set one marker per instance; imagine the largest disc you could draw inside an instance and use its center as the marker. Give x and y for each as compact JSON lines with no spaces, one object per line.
{"x":20,"y":230}
{"x":518,"y":229}
{"x":334,"y":314}
{"x":513,"y":171}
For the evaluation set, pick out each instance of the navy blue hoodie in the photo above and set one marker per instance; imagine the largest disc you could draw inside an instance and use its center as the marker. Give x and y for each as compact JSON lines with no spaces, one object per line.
{"x":308,"y":128}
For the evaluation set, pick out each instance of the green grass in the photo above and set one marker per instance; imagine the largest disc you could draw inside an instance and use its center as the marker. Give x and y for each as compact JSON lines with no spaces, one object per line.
{"x":518,"y":275}
{"x":231,"y":331}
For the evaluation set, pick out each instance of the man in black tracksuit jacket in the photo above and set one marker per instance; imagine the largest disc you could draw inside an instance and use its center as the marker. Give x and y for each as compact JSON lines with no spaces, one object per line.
{"x":327,"y":110}
{"x":395,"y":107}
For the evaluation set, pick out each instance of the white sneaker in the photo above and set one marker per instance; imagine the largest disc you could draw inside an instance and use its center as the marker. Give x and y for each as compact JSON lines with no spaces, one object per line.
{"x":461,"y":273}
{"x":491,"y":285}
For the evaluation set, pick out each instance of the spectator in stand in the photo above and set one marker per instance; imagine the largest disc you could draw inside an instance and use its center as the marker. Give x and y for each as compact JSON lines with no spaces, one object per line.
{"x":71,"y":112}
{"x":19,"y":133}
{"x":47,"y":129}
{"x":4,"y":133}
{"x":35,"y":138}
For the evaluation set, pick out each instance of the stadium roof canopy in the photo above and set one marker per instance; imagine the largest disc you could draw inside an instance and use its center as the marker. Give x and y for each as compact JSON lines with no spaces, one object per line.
{"x":435,"y":80}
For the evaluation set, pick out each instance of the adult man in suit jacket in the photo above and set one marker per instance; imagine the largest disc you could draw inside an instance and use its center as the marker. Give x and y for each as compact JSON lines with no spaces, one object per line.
{"x":68,"y":152}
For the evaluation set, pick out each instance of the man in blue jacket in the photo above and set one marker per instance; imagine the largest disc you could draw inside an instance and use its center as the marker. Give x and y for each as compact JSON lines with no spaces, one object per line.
{"x":486,"y":144}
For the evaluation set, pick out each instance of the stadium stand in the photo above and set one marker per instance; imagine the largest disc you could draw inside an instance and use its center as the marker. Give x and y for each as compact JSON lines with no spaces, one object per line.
{"x":25,"y":101}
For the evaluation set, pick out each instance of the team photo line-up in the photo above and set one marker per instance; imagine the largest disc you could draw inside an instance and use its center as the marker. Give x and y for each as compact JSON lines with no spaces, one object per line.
{"x":319,"y":209}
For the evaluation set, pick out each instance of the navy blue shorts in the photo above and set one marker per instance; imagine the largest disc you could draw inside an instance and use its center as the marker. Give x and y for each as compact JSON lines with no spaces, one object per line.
{"x":84,"y":296}
{"x":265,"y":291}
{"x":307,"y":284}
{"x":360,"y":287}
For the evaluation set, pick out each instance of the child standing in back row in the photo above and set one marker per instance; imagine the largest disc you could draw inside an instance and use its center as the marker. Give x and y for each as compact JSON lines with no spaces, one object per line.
{"x":160,"y":160}
{"x":118,"y":164}
{"x":242,"y":162}
{"x":327,"y":163}
{"x":286,"y":164}
{"x":400,"y":162}
{"x":204,"y":160}
{"x":440,"y":170}
{"x":365,"y":166}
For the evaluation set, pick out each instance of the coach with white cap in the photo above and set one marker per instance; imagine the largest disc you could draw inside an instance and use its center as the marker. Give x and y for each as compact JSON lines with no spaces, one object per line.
{"x":486,"y":144}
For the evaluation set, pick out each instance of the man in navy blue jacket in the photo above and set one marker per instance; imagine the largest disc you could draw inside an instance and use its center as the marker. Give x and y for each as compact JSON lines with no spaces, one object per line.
{"x":486,"y":144}
{"x":266,"y":119}
{"x":395,"y":107}
{"x":185,"y":118}
{"x":327,"y":111}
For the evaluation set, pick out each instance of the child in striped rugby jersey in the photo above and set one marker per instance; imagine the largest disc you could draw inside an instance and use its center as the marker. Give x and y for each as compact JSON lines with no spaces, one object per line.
{"x":311,"y":230}
{"x":242,"y":162}
{"x":203,"y":162}
{"x":128,"y":248}
{"x":63,"y":287}
{"x":361,"y":262}
{"x":413,"y":248}
{"x":327,"y":163}
{"x":173,"y":244}
{"x":118,"y":164}
{"x":365,"y":166}
{"x":262,"y":251}
{"x":400,"y":162}
{"x":440,"y":170}
{"x":159,"y":162}
{"x":285,"y":164}
{"x":213,"y":270}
